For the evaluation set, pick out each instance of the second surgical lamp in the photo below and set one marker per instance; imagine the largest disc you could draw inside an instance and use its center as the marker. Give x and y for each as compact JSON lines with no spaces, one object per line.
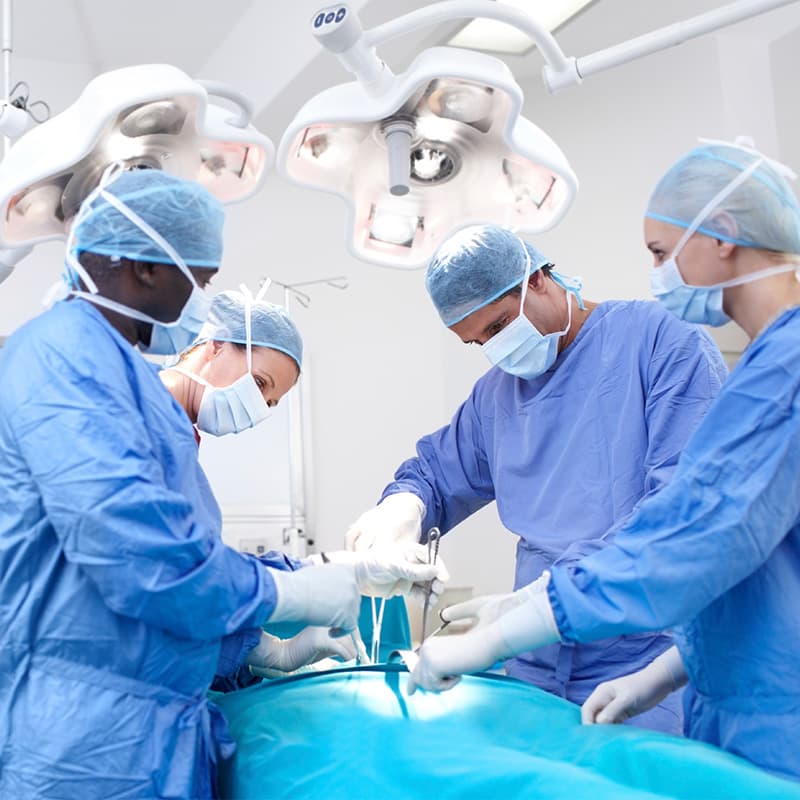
{"x":414,"y":153}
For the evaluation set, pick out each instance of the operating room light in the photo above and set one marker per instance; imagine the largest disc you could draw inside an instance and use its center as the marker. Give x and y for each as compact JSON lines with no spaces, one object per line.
{"x":432,"y":163}
{"x":445,"y":137}
{"x":461,"y":101}
{"x":498,"y":37}
{"x":164,"y":117}
{"x":152,"y":116}
{"x":393,"y":228}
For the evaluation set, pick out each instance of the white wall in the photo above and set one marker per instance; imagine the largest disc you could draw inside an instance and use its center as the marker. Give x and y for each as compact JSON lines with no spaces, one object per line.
{"x":383,"y":370}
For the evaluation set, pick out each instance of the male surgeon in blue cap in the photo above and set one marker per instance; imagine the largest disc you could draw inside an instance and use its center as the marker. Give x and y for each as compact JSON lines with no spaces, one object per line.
{"x":583,"y":414}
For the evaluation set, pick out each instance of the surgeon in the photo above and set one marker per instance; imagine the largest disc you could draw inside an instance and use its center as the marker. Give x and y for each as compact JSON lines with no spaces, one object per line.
{"x":117,"y":591}
{"x":583,"y":414}
{"x":717,"y":552}
{"x":247,"y":356}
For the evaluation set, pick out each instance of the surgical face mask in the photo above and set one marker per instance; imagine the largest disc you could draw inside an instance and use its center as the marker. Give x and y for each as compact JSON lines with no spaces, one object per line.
{"x":167,"y":338}
{"x":519,"y":349}
{"x":703,"y":304}
{"x":175,"y":337}
{"x":234,"y":408}
{"x":229,"y":409}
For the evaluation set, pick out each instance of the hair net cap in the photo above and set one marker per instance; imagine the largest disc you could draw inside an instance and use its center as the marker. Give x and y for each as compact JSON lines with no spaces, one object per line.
{"x":182,"y":211}
{"x":270,"y":325}
{"x":761,"y":212}
{"x":475,"y":266}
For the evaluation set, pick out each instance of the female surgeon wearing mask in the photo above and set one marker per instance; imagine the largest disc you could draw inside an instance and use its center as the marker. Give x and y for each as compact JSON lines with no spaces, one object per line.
{"x":246,"y":358}
{"x":227,"y":382}
{"x":716,"y":553}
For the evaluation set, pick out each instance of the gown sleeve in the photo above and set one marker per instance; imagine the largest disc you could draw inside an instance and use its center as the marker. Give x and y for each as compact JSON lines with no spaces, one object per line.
{"x":450,"y":472}
{"x":104,"y":493}
{"x":732,"y":500}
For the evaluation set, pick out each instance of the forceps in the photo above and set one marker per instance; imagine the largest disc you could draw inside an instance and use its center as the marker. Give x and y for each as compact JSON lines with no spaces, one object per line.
{"x":433,"y":553}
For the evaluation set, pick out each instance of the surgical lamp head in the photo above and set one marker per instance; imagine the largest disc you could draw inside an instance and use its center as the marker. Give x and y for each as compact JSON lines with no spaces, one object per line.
{"x":420,"y":154}
{"x":151,"y":116}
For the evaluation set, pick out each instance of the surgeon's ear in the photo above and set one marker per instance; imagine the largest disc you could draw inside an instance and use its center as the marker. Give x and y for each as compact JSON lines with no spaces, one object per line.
{"x":725,"y":249}
{"x":144,"y":272}
{"x":216,"y":348}
{"x":537,"y":281}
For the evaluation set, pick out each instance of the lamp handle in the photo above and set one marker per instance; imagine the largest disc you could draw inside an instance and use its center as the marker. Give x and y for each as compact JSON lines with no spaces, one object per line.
{"x":219,"y":89}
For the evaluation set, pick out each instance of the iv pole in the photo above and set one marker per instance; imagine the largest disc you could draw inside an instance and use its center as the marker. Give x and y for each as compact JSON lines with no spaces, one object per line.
{"x":299,"y":435}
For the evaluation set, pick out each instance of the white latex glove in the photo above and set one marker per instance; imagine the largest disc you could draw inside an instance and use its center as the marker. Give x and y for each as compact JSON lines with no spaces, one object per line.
{"x":396,"y":571}
{"x":625,"y":697}
{"x":286,"y":655}
{"x":397,"y":520}
{"x":326,"y":595}
{"x":504,"y":625}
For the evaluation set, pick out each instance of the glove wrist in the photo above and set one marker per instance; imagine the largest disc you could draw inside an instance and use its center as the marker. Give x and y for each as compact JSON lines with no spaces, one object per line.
{"x":410,"y":508}
{"x":670,"y":666}
{"x":267,"y":653}
{"x":528,"y":626}
{"x":292,"y":597}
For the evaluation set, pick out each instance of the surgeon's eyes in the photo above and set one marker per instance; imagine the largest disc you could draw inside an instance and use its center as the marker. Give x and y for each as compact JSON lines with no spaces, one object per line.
{"x":260,"y":382}
{"x":658,"y":255}
{"x":496,"y":327}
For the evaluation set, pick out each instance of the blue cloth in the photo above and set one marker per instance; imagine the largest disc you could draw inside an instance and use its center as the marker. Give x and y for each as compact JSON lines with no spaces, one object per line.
{"x":271,"y":326}
{"x":355,"y":733}
{"x":761,"y":212}
{"x":395,"y":628}
{"x":116,"y":588}
{"x":183,"y":212}
{"x":475,"y":266}
{"x":567,"y":456}
{"x":718,"y":553}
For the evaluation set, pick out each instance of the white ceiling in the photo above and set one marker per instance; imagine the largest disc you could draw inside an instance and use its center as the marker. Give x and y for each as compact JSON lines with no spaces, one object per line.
{"x":115,"y":33}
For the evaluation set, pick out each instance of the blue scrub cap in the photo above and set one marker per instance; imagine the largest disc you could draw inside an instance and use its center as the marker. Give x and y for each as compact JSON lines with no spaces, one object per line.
{"x":761,"y":212}
{"x":474,"y":267}
{"x":270,"y":325}
{"x":183,"y":212}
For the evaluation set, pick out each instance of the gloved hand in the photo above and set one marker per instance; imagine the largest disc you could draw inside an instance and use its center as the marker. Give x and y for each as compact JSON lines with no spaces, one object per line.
{"x":505,"y":624}
{"x":326,"y":595}
{"x":397,"y":520}
{"x":272,"y":654}
{"x":395,"y":571}
{"x":625,"y":697}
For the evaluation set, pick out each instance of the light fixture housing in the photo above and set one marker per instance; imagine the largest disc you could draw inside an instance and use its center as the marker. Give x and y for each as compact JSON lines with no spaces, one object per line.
{"x":153,"y":116}
{"x":471,"y":157}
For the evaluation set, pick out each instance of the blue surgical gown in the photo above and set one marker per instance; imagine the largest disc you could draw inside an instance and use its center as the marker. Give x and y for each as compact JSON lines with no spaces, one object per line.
{"x":718,"y":553}
{"x":567,"y":456}
{"x":116,"y":591}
